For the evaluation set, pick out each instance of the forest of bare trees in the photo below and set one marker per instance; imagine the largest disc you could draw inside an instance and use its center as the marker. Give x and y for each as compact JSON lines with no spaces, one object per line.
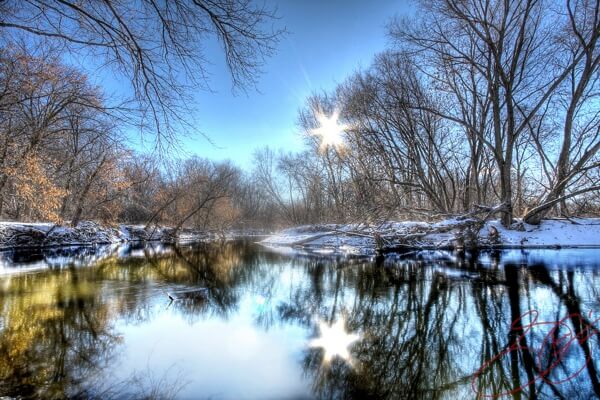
{"x":475,"y":105}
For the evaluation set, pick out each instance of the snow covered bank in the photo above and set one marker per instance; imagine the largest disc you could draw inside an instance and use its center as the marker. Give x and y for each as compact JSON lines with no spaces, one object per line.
{"x":18,"y":234}
{"x":448,"y":234}
{"x":23,"y":234}
{"x":578,"y":232}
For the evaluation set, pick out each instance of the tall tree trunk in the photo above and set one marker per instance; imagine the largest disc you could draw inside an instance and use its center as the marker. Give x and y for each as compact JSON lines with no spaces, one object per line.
{"x":82,"y":196}
{"x":506,"y":195}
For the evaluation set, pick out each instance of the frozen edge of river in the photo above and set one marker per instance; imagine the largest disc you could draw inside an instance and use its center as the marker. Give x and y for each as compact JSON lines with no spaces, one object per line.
{"x":361,"y":239}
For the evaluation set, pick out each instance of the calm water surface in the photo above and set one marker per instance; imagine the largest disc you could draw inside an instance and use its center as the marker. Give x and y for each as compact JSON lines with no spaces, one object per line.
{"x":250,"y":323}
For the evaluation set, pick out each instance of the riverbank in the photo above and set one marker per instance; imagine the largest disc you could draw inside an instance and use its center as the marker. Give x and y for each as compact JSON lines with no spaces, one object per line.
{"x":357,"y":239}
{"x":361,"y":239}
{"x":35,"y":235}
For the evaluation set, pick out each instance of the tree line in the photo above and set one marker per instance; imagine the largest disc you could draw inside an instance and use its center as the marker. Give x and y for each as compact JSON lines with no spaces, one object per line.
{"x":64,"y":156}
{"x":479,"y":105}
{"x":63,"y":142}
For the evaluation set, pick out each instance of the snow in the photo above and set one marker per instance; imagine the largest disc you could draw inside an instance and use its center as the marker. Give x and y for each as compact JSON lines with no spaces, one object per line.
{"x":350,"y":239}
{"x":19,"y":234}
{"x":552,"y":233}
{"x":24,"y":234}
{"x":360,"y":239}
{"x":321,"y":239}
{"x":299,"y":234}
{"x":42,"y":226}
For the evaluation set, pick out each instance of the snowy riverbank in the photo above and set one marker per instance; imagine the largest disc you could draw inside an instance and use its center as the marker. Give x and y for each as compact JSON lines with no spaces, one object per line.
{"x":357,"y":239}
{"x":450,"y":234}
{"x":20,"y":234}
{"x":14,"y":235}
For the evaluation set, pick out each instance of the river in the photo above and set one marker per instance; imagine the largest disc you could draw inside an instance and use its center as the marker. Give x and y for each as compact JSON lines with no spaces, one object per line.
{"x":234,"y":320}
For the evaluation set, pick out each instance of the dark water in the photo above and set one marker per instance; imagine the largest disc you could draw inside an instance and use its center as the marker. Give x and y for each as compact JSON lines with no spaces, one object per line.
{"x":248,"y":323}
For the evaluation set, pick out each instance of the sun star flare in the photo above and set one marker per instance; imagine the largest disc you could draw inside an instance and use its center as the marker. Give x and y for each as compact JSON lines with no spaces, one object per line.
{"x":330,"y":131}
{"x":335,"y":341}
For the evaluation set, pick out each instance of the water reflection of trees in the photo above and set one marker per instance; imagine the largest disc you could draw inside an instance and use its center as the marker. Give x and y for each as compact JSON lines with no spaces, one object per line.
{"x":403,"y":317}
{"x":57,"y":328}
{"x":428,"y":326}
{"x":428,"y":321}
{"x":56,"y":333}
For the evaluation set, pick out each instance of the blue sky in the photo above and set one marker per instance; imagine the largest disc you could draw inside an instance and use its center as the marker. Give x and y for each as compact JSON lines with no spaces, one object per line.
{"x":327,"y":41}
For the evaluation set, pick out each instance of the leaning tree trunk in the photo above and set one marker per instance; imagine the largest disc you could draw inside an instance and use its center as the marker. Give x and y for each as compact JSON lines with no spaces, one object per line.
{"x":535,"y":215}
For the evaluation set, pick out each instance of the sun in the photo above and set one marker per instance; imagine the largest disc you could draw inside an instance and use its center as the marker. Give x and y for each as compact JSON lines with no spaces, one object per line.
{"x":330,"y":131}
{"x":335,"y":341}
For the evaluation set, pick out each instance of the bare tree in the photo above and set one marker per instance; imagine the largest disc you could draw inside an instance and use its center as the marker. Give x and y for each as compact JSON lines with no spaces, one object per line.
{"x":40,"y":94}
{"x":155,"y":44}
{"x":507,"y":44}
{"x":413,"y":145}
{"x":579,"y":114}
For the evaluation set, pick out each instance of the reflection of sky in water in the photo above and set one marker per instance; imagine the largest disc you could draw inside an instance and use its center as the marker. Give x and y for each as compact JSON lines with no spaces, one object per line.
{"x":553,"y":259}
{"x":222,"y":357}
{"x":230,"y":359}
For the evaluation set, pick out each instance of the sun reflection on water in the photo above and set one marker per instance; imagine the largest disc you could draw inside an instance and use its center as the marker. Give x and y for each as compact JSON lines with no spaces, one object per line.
{"x":335,"y":341}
